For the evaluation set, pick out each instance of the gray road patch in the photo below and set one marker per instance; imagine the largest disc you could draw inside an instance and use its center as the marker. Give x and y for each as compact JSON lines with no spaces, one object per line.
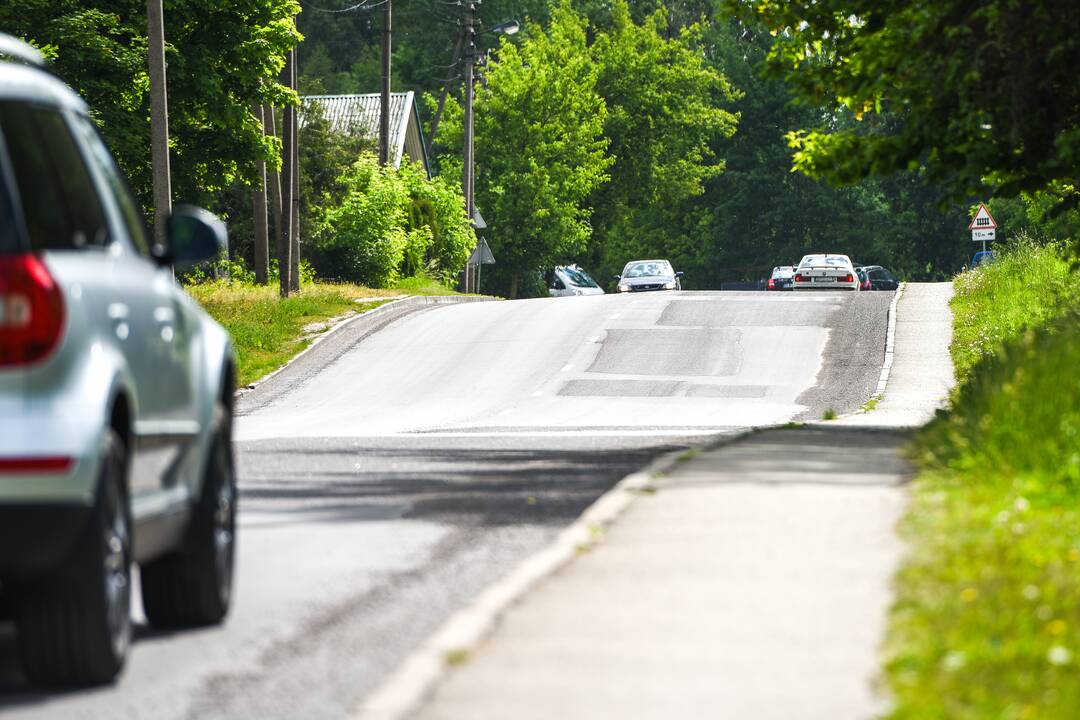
{"x":697,"y":351}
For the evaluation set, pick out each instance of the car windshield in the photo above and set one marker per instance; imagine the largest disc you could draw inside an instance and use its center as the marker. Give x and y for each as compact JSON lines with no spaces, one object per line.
{"x":825,"y":261}
{"x":647,"y":269}
{"x":578,"y":277}
{"x":782,"y":271}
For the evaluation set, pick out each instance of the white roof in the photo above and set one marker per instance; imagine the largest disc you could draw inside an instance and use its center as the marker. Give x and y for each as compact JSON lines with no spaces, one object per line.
{"x":360,"y":114}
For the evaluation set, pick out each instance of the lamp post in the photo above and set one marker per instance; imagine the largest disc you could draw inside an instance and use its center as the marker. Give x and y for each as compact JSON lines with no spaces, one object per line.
{"x":469,"y":35}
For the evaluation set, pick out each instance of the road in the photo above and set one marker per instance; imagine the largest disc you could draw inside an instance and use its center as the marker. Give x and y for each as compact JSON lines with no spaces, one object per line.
{"x":385,"y":483}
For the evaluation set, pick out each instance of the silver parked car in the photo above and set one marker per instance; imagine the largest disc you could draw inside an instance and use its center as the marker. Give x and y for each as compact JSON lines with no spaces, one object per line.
{"x":115,"y":397}
{"x":642,"y":275}
{"x":570,"y":280}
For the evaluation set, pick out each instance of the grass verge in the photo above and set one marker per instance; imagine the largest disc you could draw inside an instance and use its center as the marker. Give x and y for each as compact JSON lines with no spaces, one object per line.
{"x":986,"y":622}
{"x":268,"y":330}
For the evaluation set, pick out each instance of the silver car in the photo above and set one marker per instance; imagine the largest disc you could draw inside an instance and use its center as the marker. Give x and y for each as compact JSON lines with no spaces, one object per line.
{"x":115,"y":397}
{"x":643,"y":275}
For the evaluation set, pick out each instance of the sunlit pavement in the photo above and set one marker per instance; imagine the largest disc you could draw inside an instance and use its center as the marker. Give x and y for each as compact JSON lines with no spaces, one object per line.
{"x":754,"y":582}
{"x":385,"y":483}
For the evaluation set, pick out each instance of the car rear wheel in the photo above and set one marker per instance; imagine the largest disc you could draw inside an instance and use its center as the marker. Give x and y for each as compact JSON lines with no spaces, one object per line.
{"x":75,"y":628}
{"x":193,"y":586}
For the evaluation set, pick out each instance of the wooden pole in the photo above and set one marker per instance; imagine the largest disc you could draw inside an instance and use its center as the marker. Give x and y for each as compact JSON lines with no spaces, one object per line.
{"x":384,"y":110}
{"x":285,"y":228}
{"x":159,"y":120}
{"x":262,"y":238}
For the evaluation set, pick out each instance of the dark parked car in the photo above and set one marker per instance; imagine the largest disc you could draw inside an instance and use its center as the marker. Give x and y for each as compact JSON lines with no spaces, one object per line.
{"x":880,"y":278}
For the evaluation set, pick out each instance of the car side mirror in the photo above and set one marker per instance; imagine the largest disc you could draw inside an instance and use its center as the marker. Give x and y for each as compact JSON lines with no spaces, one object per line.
{"x":679,"y":274}
{"x":616,"y":278}
{"x":193,"y":235}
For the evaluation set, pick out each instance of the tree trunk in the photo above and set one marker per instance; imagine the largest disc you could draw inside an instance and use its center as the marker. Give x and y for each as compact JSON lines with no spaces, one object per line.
{"x":262,"y":240}
{"x":513,"y":286}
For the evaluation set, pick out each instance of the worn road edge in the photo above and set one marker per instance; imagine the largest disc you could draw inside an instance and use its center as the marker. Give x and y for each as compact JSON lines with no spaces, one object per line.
{"x":376,"y":319}
{"x":402,"y":692}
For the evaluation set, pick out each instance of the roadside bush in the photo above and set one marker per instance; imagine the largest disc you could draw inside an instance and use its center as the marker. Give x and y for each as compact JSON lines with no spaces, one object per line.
{"x":394,"y":223}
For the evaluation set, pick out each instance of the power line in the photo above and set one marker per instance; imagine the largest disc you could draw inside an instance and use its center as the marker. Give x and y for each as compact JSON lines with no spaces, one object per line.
{"x":363,"y":5}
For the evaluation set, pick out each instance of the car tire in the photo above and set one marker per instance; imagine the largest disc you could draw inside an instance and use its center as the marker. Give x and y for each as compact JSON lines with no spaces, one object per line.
{"x":75,"y":628}
{"x":193,"y":586}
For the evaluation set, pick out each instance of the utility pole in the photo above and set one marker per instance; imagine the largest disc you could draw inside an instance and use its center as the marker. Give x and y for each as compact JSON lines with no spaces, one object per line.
{"x":288,"y":133}
{"x":294,"y":268}
{"x":469,"y":35}
{"x":384,"y":109}
{"x":274,"y":178}
{"x":159,"y":119}
{"x":258,"y":201}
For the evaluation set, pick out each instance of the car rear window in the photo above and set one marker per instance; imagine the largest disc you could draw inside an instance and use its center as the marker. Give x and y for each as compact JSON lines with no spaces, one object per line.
{"x":59,"y":204}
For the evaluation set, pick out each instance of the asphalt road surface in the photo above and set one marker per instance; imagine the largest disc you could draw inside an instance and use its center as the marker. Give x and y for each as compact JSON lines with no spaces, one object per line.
{"x":386,"y":482}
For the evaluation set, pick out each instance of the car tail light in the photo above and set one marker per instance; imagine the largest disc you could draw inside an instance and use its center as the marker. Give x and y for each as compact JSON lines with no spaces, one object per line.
{"x":772,"y":284}
{"x":848,"y":278}
{"x":58,"y":464}
{"x":799,"y":278}
{"x":31,"y":310}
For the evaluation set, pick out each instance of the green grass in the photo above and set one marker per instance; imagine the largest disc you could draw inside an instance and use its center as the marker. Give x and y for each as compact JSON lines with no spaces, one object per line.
{"x":829,"y":414}
{"x":422,"y":285}
{"x":986,"y":622}
{"x":871,"y":403}
{"x":267,"y":330}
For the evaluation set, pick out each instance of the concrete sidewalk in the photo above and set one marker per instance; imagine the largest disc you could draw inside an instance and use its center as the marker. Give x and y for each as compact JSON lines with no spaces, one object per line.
{"x":753,"y":582}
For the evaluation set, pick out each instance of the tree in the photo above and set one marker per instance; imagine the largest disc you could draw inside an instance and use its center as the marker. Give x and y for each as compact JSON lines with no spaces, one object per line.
{"x":986,"y":91}
{"x":540,"y":150}
{"x":665,"y":110}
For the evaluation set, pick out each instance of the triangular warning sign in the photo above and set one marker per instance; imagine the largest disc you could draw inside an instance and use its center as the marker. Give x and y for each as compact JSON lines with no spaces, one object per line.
{"x":983,"y":220}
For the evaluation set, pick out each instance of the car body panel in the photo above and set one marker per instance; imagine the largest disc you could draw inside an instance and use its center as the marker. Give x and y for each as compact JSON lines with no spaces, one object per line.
{"x":826,"y":272}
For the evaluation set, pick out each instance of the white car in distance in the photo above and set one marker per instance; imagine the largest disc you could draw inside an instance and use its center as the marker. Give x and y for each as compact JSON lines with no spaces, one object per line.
{"x":825,"y":272}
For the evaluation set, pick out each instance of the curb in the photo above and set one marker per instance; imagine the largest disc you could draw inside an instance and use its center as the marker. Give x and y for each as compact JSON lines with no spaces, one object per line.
{"x":890,"y":342}
{"x":401,"y":307}
{"x":403,"y":691}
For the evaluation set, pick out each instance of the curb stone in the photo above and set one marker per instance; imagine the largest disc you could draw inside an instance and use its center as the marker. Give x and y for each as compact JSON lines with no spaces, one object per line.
{"x":403,"y":691}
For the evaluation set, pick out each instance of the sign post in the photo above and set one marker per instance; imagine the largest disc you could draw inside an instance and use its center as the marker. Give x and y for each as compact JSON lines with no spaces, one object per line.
{"x":983,"y":226}
{"x":481,"y":255}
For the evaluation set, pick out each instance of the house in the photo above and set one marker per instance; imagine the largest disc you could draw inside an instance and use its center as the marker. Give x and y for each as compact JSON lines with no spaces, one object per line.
{"x":360,"y":114}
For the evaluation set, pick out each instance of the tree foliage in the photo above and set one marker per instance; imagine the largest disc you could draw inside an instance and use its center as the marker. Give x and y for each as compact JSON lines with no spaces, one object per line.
{"x":222,"y":58}
{"x":986,"y":92}
{"x":666,"y":107}
{"x":540,"y":148}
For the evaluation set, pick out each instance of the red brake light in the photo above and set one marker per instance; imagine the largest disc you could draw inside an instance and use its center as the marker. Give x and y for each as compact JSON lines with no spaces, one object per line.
{"x":772,"y":283}
{"x":799,"y":278}
{"x":31,"y":310}
{"x":848,"y":278}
